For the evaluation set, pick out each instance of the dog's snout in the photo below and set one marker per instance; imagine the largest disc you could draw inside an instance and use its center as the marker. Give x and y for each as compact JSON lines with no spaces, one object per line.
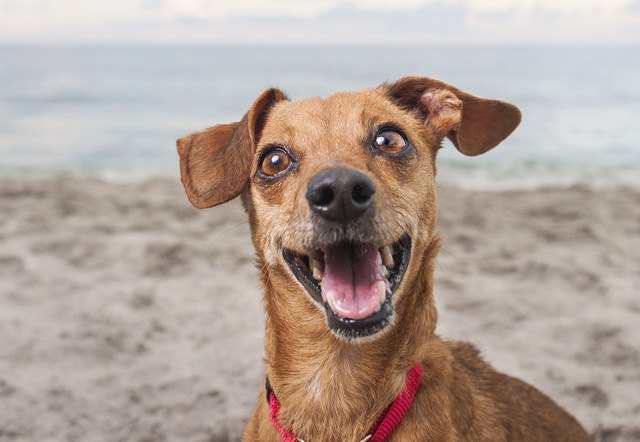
{"x":340,"y":195}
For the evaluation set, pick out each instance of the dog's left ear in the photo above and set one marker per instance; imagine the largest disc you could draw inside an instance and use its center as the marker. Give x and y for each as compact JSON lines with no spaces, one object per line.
{"x":215,"y":164}
{"x":474,"y":125}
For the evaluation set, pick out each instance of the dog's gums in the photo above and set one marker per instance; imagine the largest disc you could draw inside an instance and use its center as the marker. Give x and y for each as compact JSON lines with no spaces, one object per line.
{"x":354,"y":282}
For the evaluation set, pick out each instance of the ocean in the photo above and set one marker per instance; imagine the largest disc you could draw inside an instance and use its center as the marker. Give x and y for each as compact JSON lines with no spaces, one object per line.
{"x":115,"y":112}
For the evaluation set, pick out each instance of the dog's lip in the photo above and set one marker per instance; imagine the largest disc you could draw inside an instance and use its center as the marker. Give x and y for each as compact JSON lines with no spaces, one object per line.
{"x":300,"y":265}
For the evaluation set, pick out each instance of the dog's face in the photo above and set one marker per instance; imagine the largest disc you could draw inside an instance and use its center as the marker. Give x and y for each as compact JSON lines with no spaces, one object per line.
{"x":342,"y":186}
{"x":341,"y":191}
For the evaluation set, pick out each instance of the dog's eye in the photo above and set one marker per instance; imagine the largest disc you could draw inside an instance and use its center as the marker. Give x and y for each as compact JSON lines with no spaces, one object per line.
{"x":274,"y":162}
{"x":389,"y":141}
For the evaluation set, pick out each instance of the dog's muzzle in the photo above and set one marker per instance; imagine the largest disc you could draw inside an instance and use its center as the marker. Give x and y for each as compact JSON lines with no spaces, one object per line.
{"x":354,"y":279}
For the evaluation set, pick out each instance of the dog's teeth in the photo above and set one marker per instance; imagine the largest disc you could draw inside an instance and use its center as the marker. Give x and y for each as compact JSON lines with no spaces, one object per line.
{"x":381,"y":288}
{"x":387,"y":257}
{"x":316,"y":270}
{"x":386,"y":272}
{"x":316,"y":262}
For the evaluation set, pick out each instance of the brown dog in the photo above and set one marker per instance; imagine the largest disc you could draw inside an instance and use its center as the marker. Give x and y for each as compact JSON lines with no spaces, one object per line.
{"x":341,"y":198}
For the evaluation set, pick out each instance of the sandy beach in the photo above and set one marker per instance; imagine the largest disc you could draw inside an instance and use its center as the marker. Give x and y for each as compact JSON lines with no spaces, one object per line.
{"x":127,"y":315}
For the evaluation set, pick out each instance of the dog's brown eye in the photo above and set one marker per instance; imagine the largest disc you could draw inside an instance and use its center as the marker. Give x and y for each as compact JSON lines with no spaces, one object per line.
{"x":275,"y":162}
{"x":389,"y":141}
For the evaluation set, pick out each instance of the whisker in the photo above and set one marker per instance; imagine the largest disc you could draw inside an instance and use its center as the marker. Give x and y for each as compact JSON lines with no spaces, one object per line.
{"x":457,"y":258}
{"x":229,"y":229}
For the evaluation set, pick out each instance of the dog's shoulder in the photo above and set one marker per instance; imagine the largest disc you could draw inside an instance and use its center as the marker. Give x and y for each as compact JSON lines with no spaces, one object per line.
{"x":468,"y":359}
{"x":521,"y":410}
{"x":466,"y":353}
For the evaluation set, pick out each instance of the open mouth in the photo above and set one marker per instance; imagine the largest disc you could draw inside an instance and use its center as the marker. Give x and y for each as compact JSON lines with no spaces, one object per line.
{"x":354,"y":282}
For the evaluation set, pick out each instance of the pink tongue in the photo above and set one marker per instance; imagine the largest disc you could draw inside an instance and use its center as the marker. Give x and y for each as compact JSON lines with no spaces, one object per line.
{"x":353,"y":280}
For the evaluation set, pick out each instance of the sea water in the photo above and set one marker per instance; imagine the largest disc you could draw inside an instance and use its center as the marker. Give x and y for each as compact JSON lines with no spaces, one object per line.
{"x":116,"y":112}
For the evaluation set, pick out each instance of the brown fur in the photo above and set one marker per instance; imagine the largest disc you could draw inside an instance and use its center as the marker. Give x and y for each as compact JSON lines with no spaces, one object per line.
{"x":331,"y":389}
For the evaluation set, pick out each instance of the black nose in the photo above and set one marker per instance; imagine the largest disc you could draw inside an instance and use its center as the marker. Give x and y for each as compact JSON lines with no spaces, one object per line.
{"x":340,"y":195}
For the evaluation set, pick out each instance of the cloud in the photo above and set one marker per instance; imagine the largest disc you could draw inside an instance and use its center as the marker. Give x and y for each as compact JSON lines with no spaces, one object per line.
{"x":320,"y":22}
{"x":633,"y":7}
{"x":153,"y":5}
{"x":366,"y":26}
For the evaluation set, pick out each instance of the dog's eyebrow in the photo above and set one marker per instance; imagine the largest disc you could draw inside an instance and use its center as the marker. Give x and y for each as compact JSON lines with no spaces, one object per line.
{"x":373,"y":124}
{"x":369,"y":122}
{"x":365,"y":119}
{"x":286,"y":135}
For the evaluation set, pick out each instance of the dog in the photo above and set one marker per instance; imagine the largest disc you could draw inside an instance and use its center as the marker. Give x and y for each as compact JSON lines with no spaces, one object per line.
{"x":341,"y":198}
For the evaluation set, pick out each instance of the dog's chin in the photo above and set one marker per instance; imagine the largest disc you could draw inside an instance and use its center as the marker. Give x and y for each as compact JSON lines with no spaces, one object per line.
{"x":309,"y":271}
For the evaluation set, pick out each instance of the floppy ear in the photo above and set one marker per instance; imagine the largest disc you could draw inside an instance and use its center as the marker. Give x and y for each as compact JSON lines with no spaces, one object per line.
{"x":474,"y":125}
{"x":215,"y":163}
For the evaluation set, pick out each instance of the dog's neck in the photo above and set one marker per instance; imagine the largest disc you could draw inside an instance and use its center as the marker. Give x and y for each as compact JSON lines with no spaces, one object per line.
{"x":327,"y":385}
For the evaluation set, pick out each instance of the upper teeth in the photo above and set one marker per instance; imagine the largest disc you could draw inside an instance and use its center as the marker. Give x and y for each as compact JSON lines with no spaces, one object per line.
{"x":387,"y":257}
{"x":316,"y":262}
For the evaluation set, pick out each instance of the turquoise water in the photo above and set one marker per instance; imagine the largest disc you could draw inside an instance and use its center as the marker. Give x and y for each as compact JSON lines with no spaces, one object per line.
{"x":116,"y":112}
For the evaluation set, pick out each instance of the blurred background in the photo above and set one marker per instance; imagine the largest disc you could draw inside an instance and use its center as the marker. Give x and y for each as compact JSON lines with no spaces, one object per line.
{"x":105,"y":88}
{"x":127,"y":315}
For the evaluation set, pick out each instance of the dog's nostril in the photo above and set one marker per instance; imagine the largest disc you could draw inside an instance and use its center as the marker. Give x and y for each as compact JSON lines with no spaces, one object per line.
{"x":361,"y":194}
{"x":324,"y":196}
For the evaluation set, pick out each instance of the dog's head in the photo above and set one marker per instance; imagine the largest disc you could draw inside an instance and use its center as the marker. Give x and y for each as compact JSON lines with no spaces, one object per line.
{"x":341,"y":191}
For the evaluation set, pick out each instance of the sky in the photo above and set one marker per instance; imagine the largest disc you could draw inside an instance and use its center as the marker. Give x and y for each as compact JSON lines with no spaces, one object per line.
{"x":299,"y":22}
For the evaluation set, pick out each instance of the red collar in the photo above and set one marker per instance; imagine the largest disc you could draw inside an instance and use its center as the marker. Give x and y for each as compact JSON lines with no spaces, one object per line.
{"x":385,"y":424}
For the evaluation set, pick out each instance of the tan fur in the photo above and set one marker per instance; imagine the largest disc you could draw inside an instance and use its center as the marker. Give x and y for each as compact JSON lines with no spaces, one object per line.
{"x":331,"y":389}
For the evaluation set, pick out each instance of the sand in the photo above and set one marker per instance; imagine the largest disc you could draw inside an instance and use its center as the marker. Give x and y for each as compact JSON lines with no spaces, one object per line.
{"x":127,"y":315}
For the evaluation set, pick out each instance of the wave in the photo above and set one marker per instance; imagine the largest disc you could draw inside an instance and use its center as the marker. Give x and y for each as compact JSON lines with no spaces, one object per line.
{"x":485,"y":176}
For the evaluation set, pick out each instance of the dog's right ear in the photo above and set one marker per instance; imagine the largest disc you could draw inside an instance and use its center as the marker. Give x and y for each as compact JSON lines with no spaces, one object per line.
{"x":215,"y":164}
